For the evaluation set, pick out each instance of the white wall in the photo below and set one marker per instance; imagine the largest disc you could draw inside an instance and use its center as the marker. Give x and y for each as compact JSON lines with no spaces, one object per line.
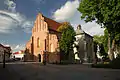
{"x":19,"y":56}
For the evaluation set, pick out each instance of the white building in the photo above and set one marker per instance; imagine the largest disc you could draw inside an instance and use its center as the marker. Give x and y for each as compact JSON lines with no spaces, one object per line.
{"x":83,"y":46}
{"x":19,"y":54}
{"x":4,"y":50}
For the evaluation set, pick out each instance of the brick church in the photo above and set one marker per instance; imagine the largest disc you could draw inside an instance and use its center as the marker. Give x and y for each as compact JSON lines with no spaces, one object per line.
{"x":43,"y":43}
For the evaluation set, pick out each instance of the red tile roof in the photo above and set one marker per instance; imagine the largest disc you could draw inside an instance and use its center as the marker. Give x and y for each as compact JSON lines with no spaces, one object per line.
{"x":52,"y":24}
{"x":16,"y":53}
{"x":19,"y":52}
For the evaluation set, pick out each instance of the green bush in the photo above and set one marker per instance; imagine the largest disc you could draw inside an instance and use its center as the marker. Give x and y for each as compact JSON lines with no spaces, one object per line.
{"x":115,"y":63}
{"x":100,"y":65}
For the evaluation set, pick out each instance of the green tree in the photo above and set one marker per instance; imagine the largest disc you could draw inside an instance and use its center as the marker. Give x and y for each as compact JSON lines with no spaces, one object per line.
{"x":104,"y":12}
{"x":63,"y":26}
{"x":106,"y":40}
{"x":67,"y":39}
{"x":100,"y":40}
{"x":95,"y":51}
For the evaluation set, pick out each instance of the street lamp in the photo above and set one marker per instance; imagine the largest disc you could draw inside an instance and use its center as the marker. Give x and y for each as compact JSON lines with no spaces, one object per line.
{"x":4,"y":59}
{"x":44,"y":60}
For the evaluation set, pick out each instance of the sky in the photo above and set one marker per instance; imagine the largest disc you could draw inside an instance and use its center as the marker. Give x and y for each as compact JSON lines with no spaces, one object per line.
{"x":17,"y":19}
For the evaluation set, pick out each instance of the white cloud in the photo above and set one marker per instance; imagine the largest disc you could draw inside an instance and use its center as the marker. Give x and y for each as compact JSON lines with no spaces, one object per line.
{"x":11,"y":5}
{"x":10,"y":21}
{"x":68,"y":12}
{"x":14,"y":47}
{"x":93,"y":28}
{"x":18,"y":47}
{"x":5,"y":22}
{"x":27,"y":26}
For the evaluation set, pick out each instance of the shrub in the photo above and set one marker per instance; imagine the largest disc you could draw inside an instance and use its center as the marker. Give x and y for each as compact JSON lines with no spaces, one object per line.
{"x":115,"y":63}
{"x":100,"y":65}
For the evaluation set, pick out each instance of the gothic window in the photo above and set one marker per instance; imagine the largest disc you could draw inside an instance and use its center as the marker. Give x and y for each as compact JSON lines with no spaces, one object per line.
{"x":38,"y":42}
{"x":45,"y":45}
{"x":50,"y":37}
{"x":41,"y":25}
{"x":45,"y":26}
{"x":51,"y":48}
{"x":53,"y":37}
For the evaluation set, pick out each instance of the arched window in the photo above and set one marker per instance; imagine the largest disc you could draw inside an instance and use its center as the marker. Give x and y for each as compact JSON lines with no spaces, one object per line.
{"x":45,"y":27}
{"x":41,"y":25}
{"x":51,"y":47}
{"x":35,"y":27}
{"x":38,"y":42}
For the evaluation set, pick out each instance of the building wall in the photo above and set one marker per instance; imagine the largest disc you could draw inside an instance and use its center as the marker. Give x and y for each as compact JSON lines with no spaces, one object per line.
{"x":7,"y":54}
{"x":89,"y":47}
{"x":1,"y":53}
{"x":40,"y":33}
{"x":85,"y":47}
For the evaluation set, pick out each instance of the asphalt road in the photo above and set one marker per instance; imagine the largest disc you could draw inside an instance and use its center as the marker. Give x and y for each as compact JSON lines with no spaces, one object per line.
{"x":36,"y":71}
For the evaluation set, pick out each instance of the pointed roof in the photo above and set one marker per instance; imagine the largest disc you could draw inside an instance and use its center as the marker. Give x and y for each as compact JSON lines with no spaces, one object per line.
{"x":52,"y":24}
{"x":79,"y":30}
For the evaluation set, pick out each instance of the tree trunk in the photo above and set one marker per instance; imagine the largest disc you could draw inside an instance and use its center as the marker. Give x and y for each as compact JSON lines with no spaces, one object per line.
{"x":111,"y":48}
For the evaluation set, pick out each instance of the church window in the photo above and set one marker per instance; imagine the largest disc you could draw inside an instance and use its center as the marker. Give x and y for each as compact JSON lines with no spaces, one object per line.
{"x":52,"y":47}
{"x":50,"y":37}
{"x":44,"y":26}
{"x":36,"y":25}
{"x":41,"y":25}
{"x":38,"y":42}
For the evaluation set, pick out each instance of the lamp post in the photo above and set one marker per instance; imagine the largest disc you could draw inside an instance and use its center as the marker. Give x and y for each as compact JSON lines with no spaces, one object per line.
{"x":4,"y":59}
{"x":44,"y":61}
{"x":58,"y":55}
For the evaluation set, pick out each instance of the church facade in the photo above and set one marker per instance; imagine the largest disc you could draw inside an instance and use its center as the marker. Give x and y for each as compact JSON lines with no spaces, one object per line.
{"x":83,"y":46}
{"x":43,"y":43}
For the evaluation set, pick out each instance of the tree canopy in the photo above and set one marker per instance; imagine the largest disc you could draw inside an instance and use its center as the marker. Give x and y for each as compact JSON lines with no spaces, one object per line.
{"x":107,"y":14}
{"x":100,"y":40}
{"x":104,"y":12}
{"x":63,"y":26}
{"x":67,"y":38}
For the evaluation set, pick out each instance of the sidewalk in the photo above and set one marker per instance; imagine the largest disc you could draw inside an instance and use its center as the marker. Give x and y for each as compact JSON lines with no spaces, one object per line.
{"x":6,"y":75}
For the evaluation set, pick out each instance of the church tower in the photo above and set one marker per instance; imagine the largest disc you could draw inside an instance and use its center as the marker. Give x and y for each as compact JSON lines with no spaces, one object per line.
{"x":79,"y":30}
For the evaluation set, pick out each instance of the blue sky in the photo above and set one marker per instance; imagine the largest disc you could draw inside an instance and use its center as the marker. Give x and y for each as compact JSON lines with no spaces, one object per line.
{"x":17,"y":18}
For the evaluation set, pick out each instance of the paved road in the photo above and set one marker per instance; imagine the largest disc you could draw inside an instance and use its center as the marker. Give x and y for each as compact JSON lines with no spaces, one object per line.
{"x":6,"y":75}
{"x":35,"y":71}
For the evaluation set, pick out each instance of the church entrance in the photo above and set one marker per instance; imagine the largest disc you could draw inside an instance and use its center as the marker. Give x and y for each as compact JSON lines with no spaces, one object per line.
{"x":39,"y":57}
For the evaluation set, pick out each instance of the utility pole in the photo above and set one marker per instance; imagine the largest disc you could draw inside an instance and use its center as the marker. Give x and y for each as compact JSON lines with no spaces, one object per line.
{"x":4,"y":59}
